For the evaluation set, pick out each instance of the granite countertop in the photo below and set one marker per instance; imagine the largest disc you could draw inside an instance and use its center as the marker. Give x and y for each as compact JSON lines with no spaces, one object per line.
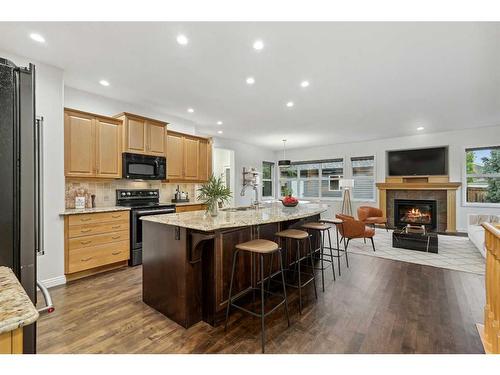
{"x":269,"y":213}
{"x":16,"y":309}
{"x":76,"y":211}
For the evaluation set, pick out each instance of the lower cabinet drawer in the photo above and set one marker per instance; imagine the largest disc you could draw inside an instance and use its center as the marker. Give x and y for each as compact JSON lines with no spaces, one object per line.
{"x":99,"y":255}
{"x":97,"y":239}
{"x":88,"y":229}
{"x":193,"y":207}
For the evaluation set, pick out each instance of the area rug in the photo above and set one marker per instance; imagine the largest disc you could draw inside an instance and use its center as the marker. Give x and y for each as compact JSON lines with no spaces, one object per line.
{"x":455,"y":253}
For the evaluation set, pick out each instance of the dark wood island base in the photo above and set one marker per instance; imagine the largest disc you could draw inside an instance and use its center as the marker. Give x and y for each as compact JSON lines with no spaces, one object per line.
{"x":186,"y":272}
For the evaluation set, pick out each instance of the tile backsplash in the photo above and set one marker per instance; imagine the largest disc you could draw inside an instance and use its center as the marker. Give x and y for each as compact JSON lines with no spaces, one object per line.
{"x":105,"y":190}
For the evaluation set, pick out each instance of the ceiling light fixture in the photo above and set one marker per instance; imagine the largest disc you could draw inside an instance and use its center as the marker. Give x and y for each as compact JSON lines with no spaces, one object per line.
{"x":182,"y":39}
{"x":37,"y":38}
{"x":304,"y":84}
{"x":420,"y":128}
{"x":190,"y":110}
{"x":103,"y":82}
{"x":290,"y":104}
{"x":258,"y":45}
{"x":219,"y":122}
{"x":219,"y":132}
{"x":250,"y":81}
{"x":284,"y":162}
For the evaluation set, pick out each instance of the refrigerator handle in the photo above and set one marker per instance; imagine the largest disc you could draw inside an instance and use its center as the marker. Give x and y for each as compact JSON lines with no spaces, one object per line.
{"x":39,"y":222}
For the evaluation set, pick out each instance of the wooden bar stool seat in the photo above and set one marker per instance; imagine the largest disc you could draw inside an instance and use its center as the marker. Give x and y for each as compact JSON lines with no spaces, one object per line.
{"x":321,"y":228}
{"x":261,"y":248}
{"x":296,"y":234}
{"x":258,"y":246}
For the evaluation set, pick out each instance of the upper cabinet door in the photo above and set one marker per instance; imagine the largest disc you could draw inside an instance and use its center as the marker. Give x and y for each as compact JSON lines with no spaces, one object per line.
{"x":108,"y":148}
{"x":175,"y":156}
{"x":191,"y":158}
{"x":135,"y":135}
{"x":203,"y":171}
{"x":155,"y":139}
{"x":79,"y":145}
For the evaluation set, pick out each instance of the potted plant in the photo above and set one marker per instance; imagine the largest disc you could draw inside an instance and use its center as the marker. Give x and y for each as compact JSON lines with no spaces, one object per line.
{"x":212,"y":193}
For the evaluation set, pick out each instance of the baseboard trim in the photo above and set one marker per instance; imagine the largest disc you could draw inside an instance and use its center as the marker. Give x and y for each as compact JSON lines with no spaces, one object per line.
{"x":59,"y":280}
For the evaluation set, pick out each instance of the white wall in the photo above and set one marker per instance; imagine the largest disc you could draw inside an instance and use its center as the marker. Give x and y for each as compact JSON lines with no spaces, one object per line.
{"x":245,"y":155}
{"x":49,"y":104}
{"x":86,"y":101}
{"x":457,"y":141}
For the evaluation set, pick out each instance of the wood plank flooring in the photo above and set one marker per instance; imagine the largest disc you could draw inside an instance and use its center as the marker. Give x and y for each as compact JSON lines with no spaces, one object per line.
{"x":376,"y":306}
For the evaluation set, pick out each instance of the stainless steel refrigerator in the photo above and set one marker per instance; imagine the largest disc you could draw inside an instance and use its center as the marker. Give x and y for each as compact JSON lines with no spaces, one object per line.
{"x":21,"y":229}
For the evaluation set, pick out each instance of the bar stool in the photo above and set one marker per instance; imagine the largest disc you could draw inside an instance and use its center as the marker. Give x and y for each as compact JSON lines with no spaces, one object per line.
{"x":338,"y":223}
{"x":321,"y":228}
{"x":300,"y":236}
{"x":260,"y":247}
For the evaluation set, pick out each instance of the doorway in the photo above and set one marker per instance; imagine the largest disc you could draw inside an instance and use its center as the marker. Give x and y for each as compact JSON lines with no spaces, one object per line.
{"x":223,"y":166}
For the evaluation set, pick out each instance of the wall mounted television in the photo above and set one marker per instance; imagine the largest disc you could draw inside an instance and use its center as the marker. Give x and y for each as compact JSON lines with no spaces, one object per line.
{"x":418,"y":162}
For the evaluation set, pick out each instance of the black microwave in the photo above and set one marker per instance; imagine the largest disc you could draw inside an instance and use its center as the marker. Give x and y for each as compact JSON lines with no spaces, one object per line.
{"x":143,"y":167}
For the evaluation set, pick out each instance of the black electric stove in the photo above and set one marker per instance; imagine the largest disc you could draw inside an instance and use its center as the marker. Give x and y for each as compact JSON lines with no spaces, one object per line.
{"x":142,"y":202}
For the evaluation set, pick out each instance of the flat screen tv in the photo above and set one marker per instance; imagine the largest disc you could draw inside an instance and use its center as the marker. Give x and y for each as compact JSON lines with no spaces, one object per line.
{"x":421,"y":162}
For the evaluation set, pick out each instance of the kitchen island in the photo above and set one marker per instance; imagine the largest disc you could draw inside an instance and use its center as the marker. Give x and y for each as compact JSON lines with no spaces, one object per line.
{"x":187,"y":257}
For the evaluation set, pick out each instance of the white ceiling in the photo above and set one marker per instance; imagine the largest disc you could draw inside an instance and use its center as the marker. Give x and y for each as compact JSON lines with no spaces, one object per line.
{"x":368,"y":80}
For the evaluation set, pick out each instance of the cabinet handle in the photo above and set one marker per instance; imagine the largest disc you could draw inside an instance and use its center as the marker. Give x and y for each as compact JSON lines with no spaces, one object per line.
{"x":86,"y":259}
{"x":85,"y":242}
{"x":115,"y":237}
{"x":85,"y":218}
{"x":115,"y":216}
{"x":116,"y":252}
{"x":116,"y":226}
{"x":86,"y":230}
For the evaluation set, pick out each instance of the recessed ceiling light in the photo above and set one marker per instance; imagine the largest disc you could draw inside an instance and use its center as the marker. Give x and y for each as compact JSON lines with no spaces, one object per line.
{"x":182,"y":39}
{"x":258,"y":45}
{"x":219,"y":122}
{"x":190,"y":110}
{"x":420,"y":128}
{"x":104,"y":82}
{"x":37,"y":38}
{"x":290,"y":104}
{"x":304,"y":83}
{"x":250,"y":80}
{"x":220,"y":132}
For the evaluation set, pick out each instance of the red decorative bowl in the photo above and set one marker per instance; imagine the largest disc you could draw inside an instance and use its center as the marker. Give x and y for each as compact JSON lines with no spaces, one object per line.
{"x":290,"y":204}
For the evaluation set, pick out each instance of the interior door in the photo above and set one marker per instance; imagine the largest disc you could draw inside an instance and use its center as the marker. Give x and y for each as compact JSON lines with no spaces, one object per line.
{"x":136,"y":135}
{"x":191,"y":158}
{"x":108,"y":148}
{"x":175,"y":156}
{"x":156,"y":139}
{"x":79,"y":147}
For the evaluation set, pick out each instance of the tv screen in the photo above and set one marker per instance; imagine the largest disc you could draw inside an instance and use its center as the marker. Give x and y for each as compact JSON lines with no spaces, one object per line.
{"x":422,"y":162}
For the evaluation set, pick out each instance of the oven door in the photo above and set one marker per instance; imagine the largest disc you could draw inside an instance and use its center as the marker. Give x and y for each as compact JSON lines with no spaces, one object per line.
{"x":136,"y":235}
{"x":144,"y":167}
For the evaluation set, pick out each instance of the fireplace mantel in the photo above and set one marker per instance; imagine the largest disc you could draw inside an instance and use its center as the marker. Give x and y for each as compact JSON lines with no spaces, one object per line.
{"x":423,"y":183}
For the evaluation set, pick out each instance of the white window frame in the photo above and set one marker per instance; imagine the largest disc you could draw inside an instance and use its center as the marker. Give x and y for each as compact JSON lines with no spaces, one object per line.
{"x":272,"y":179}
{"x":465,"y":203}
{"x":319,"y":197}
{"x":374,"y":187}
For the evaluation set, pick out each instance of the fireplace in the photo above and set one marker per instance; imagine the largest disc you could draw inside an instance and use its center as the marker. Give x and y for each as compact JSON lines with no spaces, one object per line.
{"x":415,"y":212}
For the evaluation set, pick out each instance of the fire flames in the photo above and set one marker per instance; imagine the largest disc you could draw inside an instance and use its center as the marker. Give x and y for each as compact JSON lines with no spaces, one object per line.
{"x":416,"y":216}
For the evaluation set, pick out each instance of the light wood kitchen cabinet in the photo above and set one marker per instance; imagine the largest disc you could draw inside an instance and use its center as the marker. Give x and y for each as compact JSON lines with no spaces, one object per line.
{"x":189,"y":158}
{"x":92,"y":145}
{"x":191,"y":207}
{"x":12,"y":342}
{"x":95,"y":242}
{"x":142,"y":135}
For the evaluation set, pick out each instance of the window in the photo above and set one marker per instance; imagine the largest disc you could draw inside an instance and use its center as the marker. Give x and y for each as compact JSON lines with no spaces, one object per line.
{"x":363,"y":174}
{"x":483,"y":174}
{"x":313,"y":179}
{"x":267,"y":179}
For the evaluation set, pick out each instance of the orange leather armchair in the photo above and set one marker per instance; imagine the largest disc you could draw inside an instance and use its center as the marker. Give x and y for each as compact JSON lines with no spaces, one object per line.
{"x":352,"y":228}
{"x":371,"y":216}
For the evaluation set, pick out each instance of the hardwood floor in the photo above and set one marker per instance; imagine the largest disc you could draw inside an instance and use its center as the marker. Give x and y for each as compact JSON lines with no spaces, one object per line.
{"x":376,"y":306}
